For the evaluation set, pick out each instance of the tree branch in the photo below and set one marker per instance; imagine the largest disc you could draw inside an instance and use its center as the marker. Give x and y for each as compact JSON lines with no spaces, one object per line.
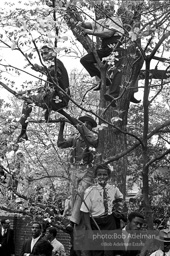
{"x":155,"y":74}
{"x":158,"y":157}
{"x":150,"y":57}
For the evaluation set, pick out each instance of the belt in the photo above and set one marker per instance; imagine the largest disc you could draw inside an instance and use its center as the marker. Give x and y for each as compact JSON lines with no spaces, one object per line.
{"x":101,"y":216}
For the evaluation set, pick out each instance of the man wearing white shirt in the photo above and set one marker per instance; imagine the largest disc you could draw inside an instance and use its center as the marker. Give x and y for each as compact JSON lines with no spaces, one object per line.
{"x":134,"y":225}
{"x":111,"y":32}
{"x":58,"y":248}
{"x":98,"y":205}
{"x":29,"y":245}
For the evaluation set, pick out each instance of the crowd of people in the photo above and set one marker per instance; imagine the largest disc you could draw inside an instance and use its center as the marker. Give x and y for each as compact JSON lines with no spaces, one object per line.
{"x":39,"y":244}
{"x":102,"y":237}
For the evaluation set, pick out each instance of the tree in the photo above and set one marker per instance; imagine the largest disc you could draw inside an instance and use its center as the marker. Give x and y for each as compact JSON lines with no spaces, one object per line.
{"x":147,"y":33}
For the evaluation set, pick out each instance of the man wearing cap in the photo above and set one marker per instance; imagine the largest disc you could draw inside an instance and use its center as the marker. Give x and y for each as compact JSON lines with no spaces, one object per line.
{"x":162,"y":240}
{"x":7,"y":246}
{"x":81,"y":158}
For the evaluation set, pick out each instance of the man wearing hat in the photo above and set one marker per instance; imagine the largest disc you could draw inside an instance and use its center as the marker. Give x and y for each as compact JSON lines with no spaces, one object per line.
{"x":163,"y":241}
{"x":83,"y":145}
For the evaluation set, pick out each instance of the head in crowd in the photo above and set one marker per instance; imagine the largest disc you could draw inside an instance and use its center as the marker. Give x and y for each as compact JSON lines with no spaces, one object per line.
{"x":5,"y":223}
{"x":51,"y":233}
{"x":36,"y":229}
{"x":102,"y":174}
{"x":163,"y":240}
{"x":156,"y":224}
{"x":88,"y":120}
{"x":47,"y":53}
{"x":135,"y":221}
{"x":43,"y":248}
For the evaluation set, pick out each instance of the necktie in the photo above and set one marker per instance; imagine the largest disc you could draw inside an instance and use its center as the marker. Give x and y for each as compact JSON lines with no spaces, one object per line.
{"x":105,"y":200}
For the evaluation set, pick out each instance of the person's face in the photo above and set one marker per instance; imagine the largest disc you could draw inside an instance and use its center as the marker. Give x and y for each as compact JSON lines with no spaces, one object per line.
{"x":88,"y":125}
{"x":102,"y":176}
{"x":48,"y":235}
{"x":47,"y":54}
{"x":6,"y":224}
{"x":136,"y":224}
{"x":36,"y":230}
{"x":166,"y":247}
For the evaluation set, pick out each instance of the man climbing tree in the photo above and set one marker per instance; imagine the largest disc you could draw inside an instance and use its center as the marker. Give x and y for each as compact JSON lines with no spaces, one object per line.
{"x":56,"y":75}
{"x":111,"y":32}
{"x":81,"y":157}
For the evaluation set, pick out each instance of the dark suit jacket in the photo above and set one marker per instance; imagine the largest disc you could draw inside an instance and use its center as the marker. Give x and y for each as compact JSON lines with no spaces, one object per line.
{"x":26,"y":247}
{"x":135,"y":245}
{"x":7,"y":243}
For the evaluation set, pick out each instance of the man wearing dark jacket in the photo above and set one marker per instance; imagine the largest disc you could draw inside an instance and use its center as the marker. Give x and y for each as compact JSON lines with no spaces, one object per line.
{"x":7,"y":246}
{"x":29,"y":246}
{"x":49,"y":101}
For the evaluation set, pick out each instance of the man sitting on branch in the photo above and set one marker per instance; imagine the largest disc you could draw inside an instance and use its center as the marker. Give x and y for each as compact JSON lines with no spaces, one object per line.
{"x":111,"y":32}
{"x":57,"y":82}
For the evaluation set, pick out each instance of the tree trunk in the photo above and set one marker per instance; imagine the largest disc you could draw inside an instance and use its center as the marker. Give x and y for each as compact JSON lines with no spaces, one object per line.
{"x":112,"y":140}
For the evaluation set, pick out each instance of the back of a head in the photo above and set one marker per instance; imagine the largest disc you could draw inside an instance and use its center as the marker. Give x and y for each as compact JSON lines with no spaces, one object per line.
{"x":43,"y":248}
{"x":52,"y":231}
{"x":3,"y":221}
{"x":46,"y":47}
{"x":132,"y":215}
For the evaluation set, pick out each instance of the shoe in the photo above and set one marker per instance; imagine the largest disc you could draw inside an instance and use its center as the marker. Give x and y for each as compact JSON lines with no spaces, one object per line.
{"x":134,"y":100}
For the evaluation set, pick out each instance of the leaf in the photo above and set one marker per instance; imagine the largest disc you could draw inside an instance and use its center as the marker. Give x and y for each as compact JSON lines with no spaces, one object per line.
{"x":30,"y":55}
{"x":133,"y":36}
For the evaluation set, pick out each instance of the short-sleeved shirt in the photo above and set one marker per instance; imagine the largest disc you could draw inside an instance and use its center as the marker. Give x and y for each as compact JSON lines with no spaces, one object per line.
{"x":94,"y":202}
{"x":113,"y":22}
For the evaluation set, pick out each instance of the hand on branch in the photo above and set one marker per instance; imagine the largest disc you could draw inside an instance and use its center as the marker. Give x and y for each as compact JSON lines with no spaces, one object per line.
{"x":81,"y":25}
{"x":37,"y":67}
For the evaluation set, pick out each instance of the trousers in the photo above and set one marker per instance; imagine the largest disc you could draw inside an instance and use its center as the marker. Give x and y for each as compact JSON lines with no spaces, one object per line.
{"x":82,"y":178}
